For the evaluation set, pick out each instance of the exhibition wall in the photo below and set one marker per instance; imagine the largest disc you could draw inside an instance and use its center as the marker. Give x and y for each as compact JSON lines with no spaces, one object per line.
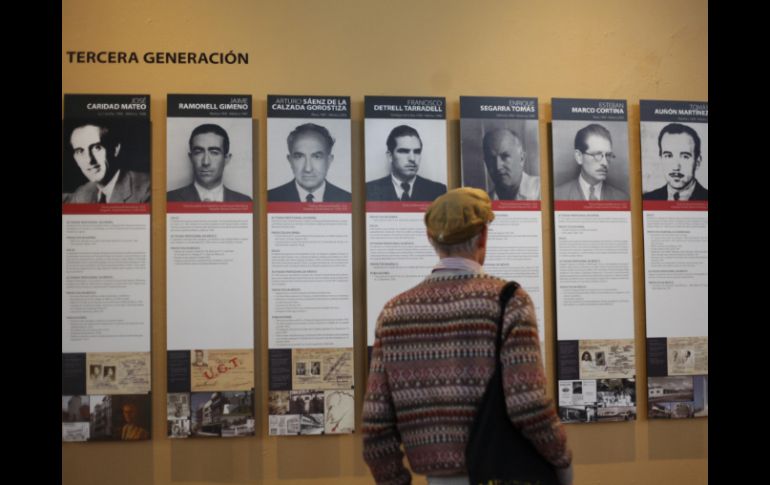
{"x":598,"y":49}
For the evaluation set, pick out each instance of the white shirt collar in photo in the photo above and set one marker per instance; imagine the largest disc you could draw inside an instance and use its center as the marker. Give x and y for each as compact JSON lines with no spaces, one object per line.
{"x":400,"y":190}
{"x":109,"y":188}
{"x":529,"y":188}
{"x":318,"y":194}
{"x":217,"y":194}
{"x":586,"y":188}
{"x":683,"y":194}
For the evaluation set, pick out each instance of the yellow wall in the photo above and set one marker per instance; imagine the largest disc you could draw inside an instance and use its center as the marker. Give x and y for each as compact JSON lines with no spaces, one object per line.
{"x":645,"y":49}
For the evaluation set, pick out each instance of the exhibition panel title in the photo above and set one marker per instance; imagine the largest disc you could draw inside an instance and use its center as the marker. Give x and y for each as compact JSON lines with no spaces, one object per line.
{"x":157,"y":57}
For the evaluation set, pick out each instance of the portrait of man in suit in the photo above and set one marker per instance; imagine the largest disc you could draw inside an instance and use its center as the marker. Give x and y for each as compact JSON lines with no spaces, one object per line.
{"x":679,"y":149}
{"x":593,"y":153}
{"x":404,"y":153}
{"x":504,"y":157}
{"x":310,"y":157}
{"x":209,"y":155}
{"x":200,"y":359}
{"x":97,"y":148}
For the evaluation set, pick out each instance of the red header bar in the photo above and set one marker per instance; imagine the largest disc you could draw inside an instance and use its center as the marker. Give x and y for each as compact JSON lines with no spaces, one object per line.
{"x":310,"y":207}
{"x":210,"y":207}
{"x":116,"y":209}
{"x":592,"y":205}
{"x":397,"y":206}
{"x":675,"y":205}
{"x":516,"y":205}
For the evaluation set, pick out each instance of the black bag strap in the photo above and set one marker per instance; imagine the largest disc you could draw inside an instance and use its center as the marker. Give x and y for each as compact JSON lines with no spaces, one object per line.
{"x":498,"y":452}
{"x":505,"y":294}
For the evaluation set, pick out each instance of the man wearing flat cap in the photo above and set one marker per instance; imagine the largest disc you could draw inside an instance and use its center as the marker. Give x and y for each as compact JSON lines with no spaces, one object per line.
{"x":433,"y":357}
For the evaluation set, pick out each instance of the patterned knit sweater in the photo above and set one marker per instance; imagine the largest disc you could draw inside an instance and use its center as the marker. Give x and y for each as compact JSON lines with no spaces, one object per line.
{"x":433,"y":357}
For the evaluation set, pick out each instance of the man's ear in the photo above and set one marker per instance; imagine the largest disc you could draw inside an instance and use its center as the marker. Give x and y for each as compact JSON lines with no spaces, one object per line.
{"x":697,"y":162}
{"x":117,"y":150}
{"x":227,"y":158}
{"x":483,"y":239}
{"x":578,"y":157}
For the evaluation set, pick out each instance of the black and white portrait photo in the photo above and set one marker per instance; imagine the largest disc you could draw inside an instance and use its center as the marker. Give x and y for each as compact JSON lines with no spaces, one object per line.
{"x":405,"y":159}
{"x":674,"y":161}
{"x":501,"y":157}
{"x":209,"y":160}
{"x":105,"y":160}
{"x":590,"y":160}
{"x":308,"y":160}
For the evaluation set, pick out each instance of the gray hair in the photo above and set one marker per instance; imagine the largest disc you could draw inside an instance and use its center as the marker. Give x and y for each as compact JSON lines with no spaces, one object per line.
{"x":465,"y":247}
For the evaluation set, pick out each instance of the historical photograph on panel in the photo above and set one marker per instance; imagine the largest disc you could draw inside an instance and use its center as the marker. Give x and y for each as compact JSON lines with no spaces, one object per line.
{"x":339,"y":415}
{"x":311,"y":424}
{"x":577,"y":392}
{"x":209,"y":159}
{"x":101,"y":417}
{"x":106,"y":160}
{"x":118,"y":372}
{"x":669,"y":406}
{"x":674,"y":161}
{"x":577,"y":414}
{"x":278,"y":403}
{"x":405,"y":159}
{"x":131,"y":417}
{"x":178,"y":428}
{"x":238,"y":413}
{"x":237,"y":426}
{"x":604,"y":359}
{"x":222,"y":370}
{"x":669,"y":389}
{"x":616,"y":392}
{"x":616,"y":399}
{"x":206,"y":410}
{"x":310,"y":405}
{"x":286,"y":424}
{"x":75,"y":416}
{"x":615,"y":413}
{"x":178,"y":405}
{"x":688,"y":356}
{"x":322,"y":369}
{"x":223,"y":413}
{"x":701,"y":391}
{"x":308,"y":160}
{"x":238,"y":403}
{"x":501,"y":157}
{"x":75,"y":431}
{"x":75,"y":409}
{"x":590,"y":160}
{"x":672,"y":410}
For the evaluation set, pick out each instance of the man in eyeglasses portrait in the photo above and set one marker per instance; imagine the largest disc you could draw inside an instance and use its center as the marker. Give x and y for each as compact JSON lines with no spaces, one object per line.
{"x":593,"y":152}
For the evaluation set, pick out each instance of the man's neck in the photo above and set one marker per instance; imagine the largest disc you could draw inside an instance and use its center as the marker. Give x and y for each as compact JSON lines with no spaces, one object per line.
{"x":505,"y":192}
{"x":211,"y":188}
{"x":690,"y":186}
{"x":590,"y":180}
{"x":402,"y":179}
{"x":105,"y":182}
{"x":458,"y":263}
